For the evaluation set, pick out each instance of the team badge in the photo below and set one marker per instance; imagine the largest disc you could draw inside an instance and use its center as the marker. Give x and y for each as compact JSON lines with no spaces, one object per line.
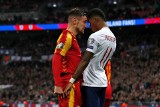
{"x":91,"y":41}
{"x":60,"y":46}
{"x":90,"y":47}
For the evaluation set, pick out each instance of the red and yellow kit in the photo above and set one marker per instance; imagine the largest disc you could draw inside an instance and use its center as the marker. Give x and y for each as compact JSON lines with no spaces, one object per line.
{"x":65,"y":60}
{"x":108,"y":74}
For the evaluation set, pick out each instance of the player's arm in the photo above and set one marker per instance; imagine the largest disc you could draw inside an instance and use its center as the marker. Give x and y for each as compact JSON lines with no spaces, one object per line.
{"x":56,"y":69}
{"x":81,"y":67}
{"x":83,"y":64}
{"x":91,"y":49}
{"x":64,"y":44}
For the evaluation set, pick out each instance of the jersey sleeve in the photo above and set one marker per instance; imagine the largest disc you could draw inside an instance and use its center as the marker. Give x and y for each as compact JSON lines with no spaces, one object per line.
{"x":56,"y":69}
{"x":63,"y":43}
{"x":92,"y":44}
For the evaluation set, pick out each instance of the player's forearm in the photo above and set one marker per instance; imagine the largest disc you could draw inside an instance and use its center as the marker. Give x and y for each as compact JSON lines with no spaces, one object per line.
{"x":56,"y":69}
{"x":81,"y":67}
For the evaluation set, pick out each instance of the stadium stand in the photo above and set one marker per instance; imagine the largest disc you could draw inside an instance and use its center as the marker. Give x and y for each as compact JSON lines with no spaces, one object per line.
{"x":25,"y":57}
{"x":51,"y":11}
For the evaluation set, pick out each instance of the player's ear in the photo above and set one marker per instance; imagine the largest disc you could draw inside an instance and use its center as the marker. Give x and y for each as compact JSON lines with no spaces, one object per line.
{"x":74,"y":20}
{"x":96,"y":19}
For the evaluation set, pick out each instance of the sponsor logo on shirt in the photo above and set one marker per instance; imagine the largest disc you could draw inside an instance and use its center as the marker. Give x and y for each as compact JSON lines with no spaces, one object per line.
{"x":60,"y":46}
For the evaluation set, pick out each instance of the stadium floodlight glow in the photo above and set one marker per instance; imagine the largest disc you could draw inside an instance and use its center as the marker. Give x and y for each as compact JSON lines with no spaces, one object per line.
{"x":115,"y":2}
{"x":54,"y":5}
{"x":114,"y":23}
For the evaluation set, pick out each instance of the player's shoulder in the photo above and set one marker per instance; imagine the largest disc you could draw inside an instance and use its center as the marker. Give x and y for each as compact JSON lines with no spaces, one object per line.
{"x":95,"y":34}
{"x":66,"y":34}
{"x":102,"y":31}
{"x":107,"y":31}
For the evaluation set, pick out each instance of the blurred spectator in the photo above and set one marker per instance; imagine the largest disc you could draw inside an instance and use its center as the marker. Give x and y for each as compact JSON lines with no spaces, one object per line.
{"x":55,"y":11}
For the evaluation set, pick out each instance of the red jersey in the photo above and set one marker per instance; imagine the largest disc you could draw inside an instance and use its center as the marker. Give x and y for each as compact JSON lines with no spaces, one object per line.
{"x":108,"y":74}
{"x":108,"y":71}
{"x":68,"y":48}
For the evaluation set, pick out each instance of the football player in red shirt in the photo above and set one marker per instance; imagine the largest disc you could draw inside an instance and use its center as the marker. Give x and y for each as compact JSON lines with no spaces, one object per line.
{"x":66,"y":58}
{"x":108,"y":95}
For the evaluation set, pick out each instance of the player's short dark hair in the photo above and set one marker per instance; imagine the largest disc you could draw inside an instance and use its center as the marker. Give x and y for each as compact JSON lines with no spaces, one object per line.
{"x":76,"y":12}
{"x":96,"y":12}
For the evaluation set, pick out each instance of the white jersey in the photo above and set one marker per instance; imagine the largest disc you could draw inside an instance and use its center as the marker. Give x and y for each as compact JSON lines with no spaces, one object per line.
{"x":103,"y":44}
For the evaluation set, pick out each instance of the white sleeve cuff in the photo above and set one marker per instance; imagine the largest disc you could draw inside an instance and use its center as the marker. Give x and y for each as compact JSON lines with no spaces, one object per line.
{"x":72,"y":80}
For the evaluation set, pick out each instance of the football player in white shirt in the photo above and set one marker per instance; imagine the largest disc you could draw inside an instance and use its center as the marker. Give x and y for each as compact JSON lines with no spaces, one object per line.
{"x":100,"y":48}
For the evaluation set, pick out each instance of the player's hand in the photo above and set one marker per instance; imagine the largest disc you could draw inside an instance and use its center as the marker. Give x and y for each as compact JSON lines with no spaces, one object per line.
{"x":68,"y":89}
{"x":59,"y":91}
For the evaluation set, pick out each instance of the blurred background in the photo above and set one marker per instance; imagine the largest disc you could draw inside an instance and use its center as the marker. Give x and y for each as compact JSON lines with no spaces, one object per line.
{"x":28,"y":33}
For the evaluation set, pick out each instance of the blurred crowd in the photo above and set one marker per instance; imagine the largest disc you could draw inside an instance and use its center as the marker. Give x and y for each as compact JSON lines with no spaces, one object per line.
{"x":135,"y":69}
{"x":55,"y":11}
{"x":135,"y":65}
{"x":32,"y":82}
{"x":35,"y":44}
{"x":136,"y":76}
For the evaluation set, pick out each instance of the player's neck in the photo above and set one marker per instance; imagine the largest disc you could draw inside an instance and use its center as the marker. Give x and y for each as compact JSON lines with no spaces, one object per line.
{"x":72,"y":30}
{"x":101,"y":25}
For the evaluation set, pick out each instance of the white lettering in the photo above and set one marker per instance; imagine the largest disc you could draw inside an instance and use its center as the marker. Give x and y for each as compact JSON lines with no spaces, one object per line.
{"x":116,"y":23}
{"x":128,"y":22}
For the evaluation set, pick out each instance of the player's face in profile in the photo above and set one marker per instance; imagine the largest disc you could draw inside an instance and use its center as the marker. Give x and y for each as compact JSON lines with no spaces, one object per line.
{"x":92,"y":24}
{"x":81,"y":24}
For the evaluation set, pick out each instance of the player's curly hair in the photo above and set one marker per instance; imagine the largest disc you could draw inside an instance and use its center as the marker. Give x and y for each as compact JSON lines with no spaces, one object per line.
{"x":96,"y":12}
